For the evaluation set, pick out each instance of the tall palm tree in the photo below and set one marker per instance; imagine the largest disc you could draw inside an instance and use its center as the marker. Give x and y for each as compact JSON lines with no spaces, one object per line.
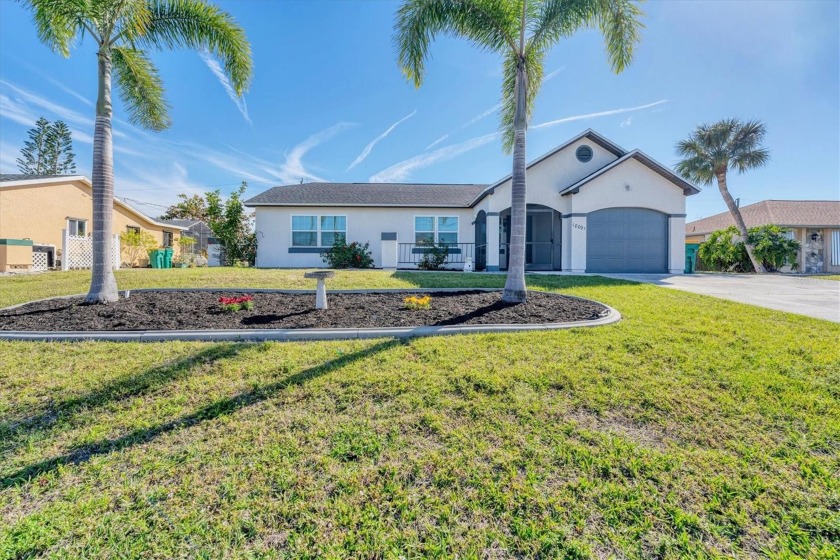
{"x":124,"y":30}
{"x":712,"y":150}
{"x":522,"y":32}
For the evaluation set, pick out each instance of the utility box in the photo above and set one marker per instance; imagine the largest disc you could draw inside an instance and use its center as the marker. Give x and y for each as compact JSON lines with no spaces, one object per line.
{"x":15,"y":254}
{"x":691,"y":257}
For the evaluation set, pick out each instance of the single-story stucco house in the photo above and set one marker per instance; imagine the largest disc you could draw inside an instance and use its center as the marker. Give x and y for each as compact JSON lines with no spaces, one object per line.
{"x":814,"y":223}
{"x":41,"y":208}
{"x":592,"y":207}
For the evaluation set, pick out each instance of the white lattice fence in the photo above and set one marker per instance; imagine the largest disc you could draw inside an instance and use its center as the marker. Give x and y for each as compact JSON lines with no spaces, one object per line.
{"x":77,"y":251}
{"x":39,"y":260}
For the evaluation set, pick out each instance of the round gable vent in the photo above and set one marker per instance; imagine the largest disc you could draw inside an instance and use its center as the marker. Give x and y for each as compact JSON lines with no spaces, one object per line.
{"x":584,"y":154}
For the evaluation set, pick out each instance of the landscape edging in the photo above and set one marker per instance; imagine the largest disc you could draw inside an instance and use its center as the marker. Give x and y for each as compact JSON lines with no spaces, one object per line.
{"x":290,"y":335}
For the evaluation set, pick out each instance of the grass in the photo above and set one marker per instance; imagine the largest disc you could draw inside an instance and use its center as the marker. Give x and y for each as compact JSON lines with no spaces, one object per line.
{"x":696,"y":427}
{"x":827,"y":276}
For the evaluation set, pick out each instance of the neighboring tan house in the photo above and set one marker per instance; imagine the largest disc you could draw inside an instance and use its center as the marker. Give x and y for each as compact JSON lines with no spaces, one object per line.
{"x":814,"y":223}
{"x":591,"y":207}
{"x":39,"y":208}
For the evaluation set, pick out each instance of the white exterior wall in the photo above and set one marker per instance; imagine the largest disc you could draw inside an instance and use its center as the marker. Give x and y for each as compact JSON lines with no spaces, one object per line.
{"x":547,"y":178}
{"x":647,"y":189}
{"x":364,"y":225}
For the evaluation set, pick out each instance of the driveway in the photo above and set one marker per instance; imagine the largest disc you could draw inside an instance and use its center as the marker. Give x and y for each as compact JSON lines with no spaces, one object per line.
{"x":795,"y":294}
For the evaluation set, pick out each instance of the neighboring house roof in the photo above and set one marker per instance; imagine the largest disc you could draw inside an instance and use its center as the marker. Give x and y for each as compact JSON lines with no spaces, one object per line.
{"x":24,"y":177}
{"x":368,"y":194}
{"x":589,"y":134}
{"x":641,"y":157}
{"x":787,"y":213}
{"x":186,"y":224}
{"x":16,"y":180}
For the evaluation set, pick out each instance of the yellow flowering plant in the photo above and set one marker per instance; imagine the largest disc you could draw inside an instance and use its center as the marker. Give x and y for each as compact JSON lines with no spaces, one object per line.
{"x":417,"y":302}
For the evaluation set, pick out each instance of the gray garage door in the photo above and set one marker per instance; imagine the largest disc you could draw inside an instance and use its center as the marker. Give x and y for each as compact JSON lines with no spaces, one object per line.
{"x":627,"y":240}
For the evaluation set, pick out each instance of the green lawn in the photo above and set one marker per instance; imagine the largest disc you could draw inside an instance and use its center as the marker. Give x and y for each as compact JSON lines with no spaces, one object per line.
{"x":827,"y":276}
{"x":695,"y":427}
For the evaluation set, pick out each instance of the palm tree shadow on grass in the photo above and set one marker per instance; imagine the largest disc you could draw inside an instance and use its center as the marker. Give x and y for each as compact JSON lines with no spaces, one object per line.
{"x":120,"y":388}
{"x":211,"y":411}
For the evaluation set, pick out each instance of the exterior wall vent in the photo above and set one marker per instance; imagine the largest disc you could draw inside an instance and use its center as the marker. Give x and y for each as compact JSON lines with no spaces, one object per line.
{"x":583,"y":154}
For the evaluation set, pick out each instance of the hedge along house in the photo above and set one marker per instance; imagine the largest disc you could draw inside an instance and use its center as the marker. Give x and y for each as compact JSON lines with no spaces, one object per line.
{"x":815,"y":224}
{"x":592,"y":207}
{"x":42,"y":208}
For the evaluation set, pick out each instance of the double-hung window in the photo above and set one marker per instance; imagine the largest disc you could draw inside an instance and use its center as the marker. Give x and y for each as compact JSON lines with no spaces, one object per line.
{"x":430,"y":230}
{"x":307,"y":231}
{"x":333,"y":228}
{"x":77,"y":227}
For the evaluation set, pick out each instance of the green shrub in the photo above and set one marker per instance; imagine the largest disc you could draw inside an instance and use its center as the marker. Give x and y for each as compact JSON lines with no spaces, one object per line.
{"x":434,"y":256}
{"x":344,"y":255}
{"x":724,"y":251}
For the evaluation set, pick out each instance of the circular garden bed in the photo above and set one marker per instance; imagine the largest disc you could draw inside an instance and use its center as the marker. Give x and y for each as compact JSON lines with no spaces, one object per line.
{"x":161,"y":310}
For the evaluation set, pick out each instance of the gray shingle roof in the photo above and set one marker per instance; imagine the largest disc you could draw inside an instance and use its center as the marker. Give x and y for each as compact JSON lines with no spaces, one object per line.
{"x":180,"y":223}
{"x":369,"y":194}
{"x":21,"y":176}
{"x":791,"y":213}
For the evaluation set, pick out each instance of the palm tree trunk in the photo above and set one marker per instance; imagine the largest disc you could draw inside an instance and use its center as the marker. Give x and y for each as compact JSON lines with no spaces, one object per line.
{"x":515,"y":291}
{"x":103,"y":285}
{"x":739,"y":221}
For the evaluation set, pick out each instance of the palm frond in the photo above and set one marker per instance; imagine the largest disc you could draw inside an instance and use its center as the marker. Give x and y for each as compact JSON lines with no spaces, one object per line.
{"x":140,"y":88}
{"x":58,"y":22}
{"x":491,"y":25}
{"x":198,"y":25}
{"x":717,"y":147}
{"x":534,"y":72}
{"x":618,"y":21}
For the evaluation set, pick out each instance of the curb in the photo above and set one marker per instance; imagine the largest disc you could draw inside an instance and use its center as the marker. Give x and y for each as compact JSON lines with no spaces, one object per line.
{"x":290,"y":335}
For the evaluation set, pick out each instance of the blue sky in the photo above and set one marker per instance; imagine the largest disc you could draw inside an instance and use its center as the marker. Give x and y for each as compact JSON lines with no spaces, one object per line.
{"x":329,"y":102}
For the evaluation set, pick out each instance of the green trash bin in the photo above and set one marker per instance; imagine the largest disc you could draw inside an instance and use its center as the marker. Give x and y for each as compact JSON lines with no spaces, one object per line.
{"x":156,"y":258}
{"x":167,"y":257}
{"x":691,"y":257}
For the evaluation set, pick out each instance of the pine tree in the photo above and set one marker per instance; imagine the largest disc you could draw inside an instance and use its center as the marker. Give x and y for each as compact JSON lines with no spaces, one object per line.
{"x":32,"y":156}
{"x":61,"y":159}
{"x":49,"y":150}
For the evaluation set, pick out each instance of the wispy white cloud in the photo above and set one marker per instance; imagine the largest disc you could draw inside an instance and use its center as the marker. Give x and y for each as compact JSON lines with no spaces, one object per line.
{"x":599,"y":114}
{"x":402,"y":170}
{"x":627,"y":122}
{"x":486,"y":113}
{"x":64,"y":113}
{"x":19,"y":112}
{"x":292,"y":169}
{"x":151,"y":192}
{"x":216,"y":68}
{"x":552,"y":74}
{"x":366,"y":151}
{"x":8,"y":157}
{"x":470,"y":122}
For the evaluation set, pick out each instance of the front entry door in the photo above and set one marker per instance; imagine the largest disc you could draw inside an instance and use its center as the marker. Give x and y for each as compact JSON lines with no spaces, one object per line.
{"x":538,"y":240}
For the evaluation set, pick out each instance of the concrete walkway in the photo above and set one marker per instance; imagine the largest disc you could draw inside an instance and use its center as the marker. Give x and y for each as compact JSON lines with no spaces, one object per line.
{"x":795,"y":294}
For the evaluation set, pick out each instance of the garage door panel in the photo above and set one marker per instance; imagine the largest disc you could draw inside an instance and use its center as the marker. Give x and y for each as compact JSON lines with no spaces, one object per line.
{"x":627,"y":240}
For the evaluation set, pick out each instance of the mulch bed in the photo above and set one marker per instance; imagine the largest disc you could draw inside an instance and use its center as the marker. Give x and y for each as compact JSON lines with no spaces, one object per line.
{"x":200,"y":310}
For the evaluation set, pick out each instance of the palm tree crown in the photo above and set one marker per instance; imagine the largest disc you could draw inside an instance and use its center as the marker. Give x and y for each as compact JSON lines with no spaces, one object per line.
{"x":716,"y":148}
{"x":127,"y":29}
{"x":124,"y":30}
{"x":521,"y":31}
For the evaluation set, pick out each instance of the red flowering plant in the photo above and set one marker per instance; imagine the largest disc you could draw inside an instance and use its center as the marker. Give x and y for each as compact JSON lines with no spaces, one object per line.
{"x":233,"y":304}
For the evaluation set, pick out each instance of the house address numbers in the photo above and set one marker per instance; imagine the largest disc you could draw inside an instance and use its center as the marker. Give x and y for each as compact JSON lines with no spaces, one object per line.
{"x":578,"y":226}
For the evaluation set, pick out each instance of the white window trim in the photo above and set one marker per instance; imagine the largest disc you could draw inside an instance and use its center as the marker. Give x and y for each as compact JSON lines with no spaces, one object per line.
{"x":435,"y":232}
{"x":78,"y":220}
{"x":318,"y":231}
